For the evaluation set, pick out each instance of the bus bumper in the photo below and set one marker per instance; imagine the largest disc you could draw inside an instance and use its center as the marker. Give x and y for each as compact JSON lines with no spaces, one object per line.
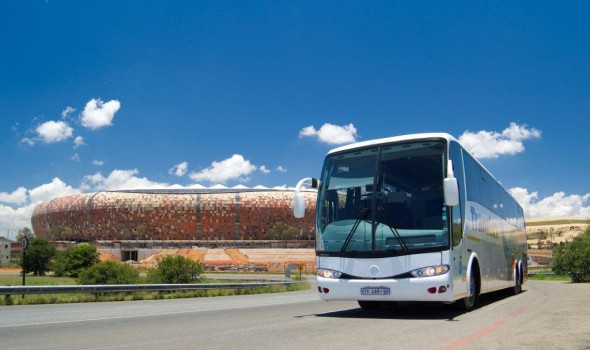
{"x":436,"y":288}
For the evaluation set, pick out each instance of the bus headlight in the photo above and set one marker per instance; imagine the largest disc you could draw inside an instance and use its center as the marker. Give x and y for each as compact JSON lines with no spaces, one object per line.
{"x":431,"y":271}
{"x":329,"y":273}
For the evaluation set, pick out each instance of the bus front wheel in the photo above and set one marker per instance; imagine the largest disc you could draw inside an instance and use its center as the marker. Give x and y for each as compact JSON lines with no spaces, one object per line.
{"x":471,"y":301}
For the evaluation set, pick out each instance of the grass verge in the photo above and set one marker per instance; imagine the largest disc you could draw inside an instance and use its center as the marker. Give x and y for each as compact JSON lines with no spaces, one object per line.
{"x":17,"y":280}
{"x":141,"y":295}
{"x":547,"y":277}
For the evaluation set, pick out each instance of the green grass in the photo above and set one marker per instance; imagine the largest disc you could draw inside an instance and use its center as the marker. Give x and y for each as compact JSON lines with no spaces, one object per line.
{"x":539,"y":269}
{"x":544,"y":273}
{"x":16,"y":280}
{"x":544,"y":277}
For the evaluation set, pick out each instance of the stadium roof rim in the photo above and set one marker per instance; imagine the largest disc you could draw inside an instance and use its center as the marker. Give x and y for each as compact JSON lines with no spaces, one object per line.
{"x":203,"y":190}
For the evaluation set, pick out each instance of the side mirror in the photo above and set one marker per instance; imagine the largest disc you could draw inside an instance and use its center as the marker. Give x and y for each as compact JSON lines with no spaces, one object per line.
{"x":451,"y":188}
{"x":299,"y":205}
{"x":299,"y":198}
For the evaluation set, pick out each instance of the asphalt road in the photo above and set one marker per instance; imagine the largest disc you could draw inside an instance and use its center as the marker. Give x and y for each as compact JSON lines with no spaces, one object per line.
{"x":547,"y":315}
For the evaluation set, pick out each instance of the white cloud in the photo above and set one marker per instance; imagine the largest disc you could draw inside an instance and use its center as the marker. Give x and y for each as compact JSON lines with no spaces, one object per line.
{"x":18,"y":215}
{"x":79,"y":141}
{"x":281,"y":169}
{"x":179,"y":169}
{"x":18,"y":196}
{"x":56,"y":188}
{"x":264,"y":170}
{"x":98,"y":114}
{"x":557,"y":205}
{"x":53,"y":131}
{"x":119,"y":180}
{"x":98,"y":162}
{"x":491,"y":144}
{"x":28,"y":141}
{"x":235,"y":167}
{"x":76,"y":157}
{"x":307,"y":131}
{"x":67,"y":111}
{"x":15,"y":219}
{"x":330,"y":133}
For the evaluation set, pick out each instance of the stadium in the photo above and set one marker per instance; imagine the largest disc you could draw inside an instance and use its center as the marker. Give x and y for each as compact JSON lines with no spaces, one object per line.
{"x":206,"y":224}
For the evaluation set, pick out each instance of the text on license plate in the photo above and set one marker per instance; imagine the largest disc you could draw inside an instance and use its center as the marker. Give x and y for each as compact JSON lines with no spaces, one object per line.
{"x":375,"y":291}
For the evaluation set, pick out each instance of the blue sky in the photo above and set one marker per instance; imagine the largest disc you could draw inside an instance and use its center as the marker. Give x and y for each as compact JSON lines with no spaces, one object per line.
{"x":118,"y":94}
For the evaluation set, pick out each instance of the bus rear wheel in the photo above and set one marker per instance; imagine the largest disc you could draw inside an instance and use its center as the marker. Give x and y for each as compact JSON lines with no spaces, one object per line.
{"x":517,"y":280}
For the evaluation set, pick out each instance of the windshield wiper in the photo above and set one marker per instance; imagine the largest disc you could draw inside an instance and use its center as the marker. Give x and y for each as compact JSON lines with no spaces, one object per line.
{"x":353,"y":229}
{"x":396,"y":234}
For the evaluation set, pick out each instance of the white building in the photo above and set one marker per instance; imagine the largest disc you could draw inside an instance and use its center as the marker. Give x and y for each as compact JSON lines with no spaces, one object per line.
{"x":4,"y":251}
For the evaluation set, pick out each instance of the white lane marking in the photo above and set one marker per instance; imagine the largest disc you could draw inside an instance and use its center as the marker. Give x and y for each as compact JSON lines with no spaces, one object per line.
{"x":163,"y":313}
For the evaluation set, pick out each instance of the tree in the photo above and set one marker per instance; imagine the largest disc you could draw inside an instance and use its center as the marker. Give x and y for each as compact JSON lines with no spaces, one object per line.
{"x":24,"y":232}
{"x":573,"y":258}
{"x":176,"y":269}
{"x":276,"y":230}
{"x":109,"y":272}
{"x":290,"y":233}
{"x":280,"y":231}
{"x":74,"y":259}
{"x":39,"y":255}
{"x":542,"y":235}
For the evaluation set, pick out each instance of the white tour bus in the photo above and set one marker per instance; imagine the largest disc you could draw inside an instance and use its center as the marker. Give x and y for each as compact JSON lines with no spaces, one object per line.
{"x":413,"y":218}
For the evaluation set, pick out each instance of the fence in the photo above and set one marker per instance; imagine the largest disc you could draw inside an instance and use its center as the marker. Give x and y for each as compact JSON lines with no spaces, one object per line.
{"x":120,"y":288}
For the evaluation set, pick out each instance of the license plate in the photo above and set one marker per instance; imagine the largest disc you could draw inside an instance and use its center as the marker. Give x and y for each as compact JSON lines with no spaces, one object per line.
{"x":375,"y":291}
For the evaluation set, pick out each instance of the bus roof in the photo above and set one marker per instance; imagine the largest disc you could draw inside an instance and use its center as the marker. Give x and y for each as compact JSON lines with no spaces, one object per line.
{"x":401,"y":138}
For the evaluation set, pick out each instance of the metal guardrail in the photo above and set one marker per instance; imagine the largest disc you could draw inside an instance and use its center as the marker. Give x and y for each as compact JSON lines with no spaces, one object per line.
{"x":120,"y":288}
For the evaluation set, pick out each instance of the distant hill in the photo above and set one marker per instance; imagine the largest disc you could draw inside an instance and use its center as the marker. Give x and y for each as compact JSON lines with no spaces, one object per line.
{"x":544,"y":233}
{"x":534,"y":222}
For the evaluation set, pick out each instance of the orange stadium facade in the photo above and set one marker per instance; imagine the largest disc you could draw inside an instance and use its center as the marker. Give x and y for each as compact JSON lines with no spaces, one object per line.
{"x":200,"y":216}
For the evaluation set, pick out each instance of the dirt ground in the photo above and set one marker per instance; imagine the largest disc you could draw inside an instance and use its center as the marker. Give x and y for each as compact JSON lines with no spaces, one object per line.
{"x":9,"y":270}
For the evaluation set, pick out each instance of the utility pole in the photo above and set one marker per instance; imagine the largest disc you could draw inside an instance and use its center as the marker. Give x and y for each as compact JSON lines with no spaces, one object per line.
{"x":25,"y":245}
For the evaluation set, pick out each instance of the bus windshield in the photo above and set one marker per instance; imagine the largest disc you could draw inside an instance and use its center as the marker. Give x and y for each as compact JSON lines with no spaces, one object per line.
{"x":383,"y":201}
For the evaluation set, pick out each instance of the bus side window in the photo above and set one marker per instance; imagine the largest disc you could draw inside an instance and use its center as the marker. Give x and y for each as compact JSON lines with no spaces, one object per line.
{"x":458,"y":215}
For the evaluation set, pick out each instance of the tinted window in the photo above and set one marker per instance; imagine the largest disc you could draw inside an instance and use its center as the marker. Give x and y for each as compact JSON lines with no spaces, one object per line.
{"x":458,"y":211}
{"x":482,"y":188}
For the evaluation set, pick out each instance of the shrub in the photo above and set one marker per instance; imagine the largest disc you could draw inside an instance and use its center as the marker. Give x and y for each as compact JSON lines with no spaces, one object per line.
{"x":73,"y":260}
{"x":109,"y":273}
{"x":176,"y":269}
{"x":573,"y":258}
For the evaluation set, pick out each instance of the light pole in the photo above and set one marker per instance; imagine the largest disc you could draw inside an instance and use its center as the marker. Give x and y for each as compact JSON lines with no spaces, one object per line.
{"x":25,"y":245}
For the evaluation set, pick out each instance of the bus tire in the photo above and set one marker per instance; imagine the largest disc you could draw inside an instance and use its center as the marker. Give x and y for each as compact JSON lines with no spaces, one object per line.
{"x":517,"y":288}
{"x":471,"y":301}
{"x":369,"y":305}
